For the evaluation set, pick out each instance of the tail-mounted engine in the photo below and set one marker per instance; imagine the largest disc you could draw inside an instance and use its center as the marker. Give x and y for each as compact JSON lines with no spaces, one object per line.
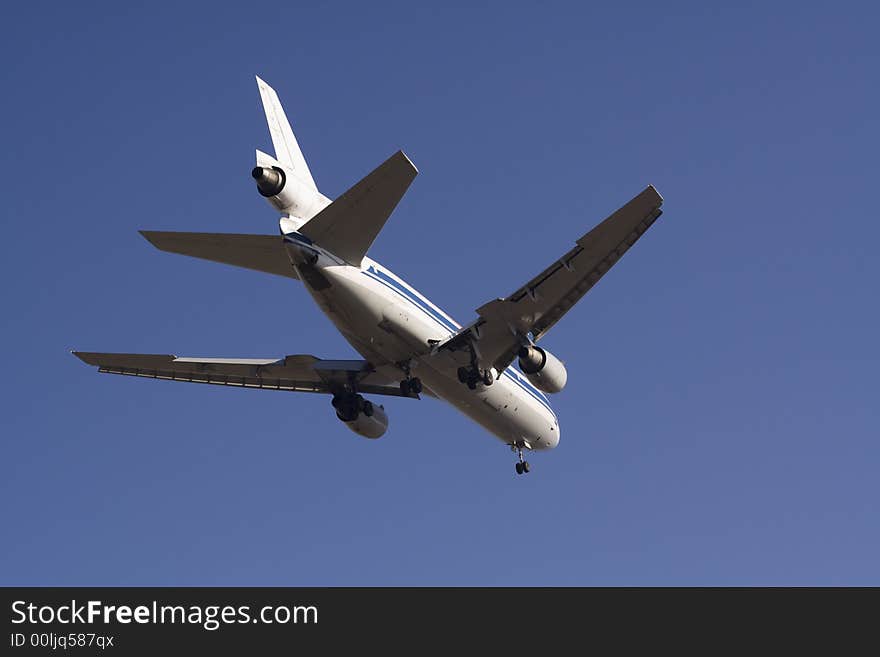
{"x":287,"y":193}
{"x":545,"y":371}
{"x":360,"y":415}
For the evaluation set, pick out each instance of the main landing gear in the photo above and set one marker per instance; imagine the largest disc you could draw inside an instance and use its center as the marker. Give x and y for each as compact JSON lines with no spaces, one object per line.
{"x":472,"y":376}
{"x":412,"y":385}
{"x":522,"y":466}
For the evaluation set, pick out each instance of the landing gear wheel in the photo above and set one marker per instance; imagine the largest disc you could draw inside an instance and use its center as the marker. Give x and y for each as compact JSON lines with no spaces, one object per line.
{"x":526,"y":467}
{"x":415,"y":385}
{"x":488,"y":377}
{"x":520,"y":468}
{"x":405,"y":387}
{"x":463,"y":374}
{"x":368,"y":410}
{"x":472,"y":384}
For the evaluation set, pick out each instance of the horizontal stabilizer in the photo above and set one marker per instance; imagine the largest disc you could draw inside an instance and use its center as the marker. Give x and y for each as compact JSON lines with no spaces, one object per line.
{"x":348,"y":226}
{"x":264,"y":253}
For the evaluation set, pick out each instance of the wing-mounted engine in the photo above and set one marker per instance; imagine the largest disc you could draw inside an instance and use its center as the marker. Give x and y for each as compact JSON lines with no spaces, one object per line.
{"x":545,"y":371}
{"x":361,"y":416}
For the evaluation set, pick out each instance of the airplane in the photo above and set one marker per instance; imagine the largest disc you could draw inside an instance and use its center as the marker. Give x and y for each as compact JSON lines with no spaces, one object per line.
{"x":410,"y":347}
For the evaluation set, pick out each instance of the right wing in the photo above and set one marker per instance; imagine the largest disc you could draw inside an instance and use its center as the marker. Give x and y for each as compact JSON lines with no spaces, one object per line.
{"x":264,"y":253}
{"x":534,"y":308}
{"x":301,"y":373}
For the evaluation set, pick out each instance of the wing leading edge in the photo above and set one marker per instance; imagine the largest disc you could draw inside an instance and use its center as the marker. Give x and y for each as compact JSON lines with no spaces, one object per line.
{"x":299,"y":373}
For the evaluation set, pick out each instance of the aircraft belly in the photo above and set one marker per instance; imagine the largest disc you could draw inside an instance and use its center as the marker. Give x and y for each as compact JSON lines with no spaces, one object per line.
{"x":384,"y":329}
{"x":371,"y":320}
{"x":502,"y":409}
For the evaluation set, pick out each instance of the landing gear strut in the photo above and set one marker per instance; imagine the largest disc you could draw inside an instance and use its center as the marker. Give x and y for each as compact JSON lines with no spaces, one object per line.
{"x":411,"y":385}
{"x":522,"y":466}
{"x":473,"y":375}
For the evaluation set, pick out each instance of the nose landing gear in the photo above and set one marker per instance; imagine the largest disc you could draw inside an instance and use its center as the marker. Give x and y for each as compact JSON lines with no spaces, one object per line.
{"x":522,"y":466}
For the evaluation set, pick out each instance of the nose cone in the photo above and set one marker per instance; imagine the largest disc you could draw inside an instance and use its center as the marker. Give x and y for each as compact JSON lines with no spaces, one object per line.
{"x":553,"y":438}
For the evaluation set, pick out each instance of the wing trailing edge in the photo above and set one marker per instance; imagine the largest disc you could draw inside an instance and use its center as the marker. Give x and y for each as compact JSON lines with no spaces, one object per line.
{"x":298,"y":373}
{"x":265,"y":253}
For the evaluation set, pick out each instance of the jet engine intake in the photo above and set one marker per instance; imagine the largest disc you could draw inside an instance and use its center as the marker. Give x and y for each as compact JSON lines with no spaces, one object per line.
{"x":361,"y":416}
{"x":287,"y":193}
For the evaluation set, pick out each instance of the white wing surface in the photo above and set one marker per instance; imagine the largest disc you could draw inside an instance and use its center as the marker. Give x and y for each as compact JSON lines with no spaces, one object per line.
{"x":535,"y":307}
{"x":300,"y":373}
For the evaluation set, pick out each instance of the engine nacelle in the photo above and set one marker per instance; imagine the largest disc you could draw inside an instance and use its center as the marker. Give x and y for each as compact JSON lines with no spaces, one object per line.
{"x":545,"y":371}
{"x":361,"y":416}
{"x":287,"y":193}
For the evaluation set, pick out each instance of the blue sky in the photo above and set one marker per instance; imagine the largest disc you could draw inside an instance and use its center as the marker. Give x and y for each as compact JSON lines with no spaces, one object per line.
{"x":720,"y":424}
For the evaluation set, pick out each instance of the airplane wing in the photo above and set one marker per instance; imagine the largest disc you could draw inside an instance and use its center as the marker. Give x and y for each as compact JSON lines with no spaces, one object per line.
{"x":264,"y":253}
{"x":534,"y":308}
{"x":300,"y":373}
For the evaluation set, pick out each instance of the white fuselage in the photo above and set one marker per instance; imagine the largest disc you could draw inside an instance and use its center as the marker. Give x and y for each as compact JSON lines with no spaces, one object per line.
{"x":387,"y":321}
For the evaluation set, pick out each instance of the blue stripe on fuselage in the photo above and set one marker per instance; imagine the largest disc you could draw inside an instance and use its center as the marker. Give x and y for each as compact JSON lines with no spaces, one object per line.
{"x":520,"y":380}
{"x":514,"y":375}
{"x":384,"y":278}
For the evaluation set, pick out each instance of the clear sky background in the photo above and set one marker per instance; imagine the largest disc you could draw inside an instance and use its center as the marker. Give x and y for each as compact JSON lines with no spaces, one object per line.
{"x":720,"y":424}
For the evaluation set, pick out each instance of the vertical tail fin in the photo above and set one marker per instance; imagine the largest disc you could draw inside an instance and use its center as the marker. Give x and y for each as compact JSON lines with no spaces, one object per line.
{"x":287,"y":150}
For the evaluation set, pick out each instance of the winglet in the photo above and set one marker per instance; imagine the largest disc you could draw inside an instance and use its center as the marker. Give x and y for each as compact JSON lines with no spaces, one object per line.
{"x":287,"y":150}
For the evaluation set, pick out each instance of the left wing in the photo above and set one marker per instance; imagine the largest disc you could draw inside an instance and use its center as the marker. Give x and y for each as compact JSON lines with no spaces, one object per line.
{"x":301,"y":373}
{"x":505,"y":323}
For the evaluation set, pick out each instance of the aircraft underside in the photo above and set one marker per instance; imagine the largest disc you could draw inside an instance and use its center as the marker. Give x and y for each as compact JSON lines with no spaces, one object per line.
{"x":387,"y":332}
{"x":409,"y":346}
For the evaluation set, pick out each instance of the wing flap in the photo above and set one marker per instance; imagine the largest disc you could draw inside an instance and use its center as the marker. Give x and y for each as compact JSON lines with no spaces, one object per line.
{"x":536,"y":306}
{"x":546,"y":298}
{"x":298,"y":373}
{"x":349,"y":225}
{"x":265,"y":253}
